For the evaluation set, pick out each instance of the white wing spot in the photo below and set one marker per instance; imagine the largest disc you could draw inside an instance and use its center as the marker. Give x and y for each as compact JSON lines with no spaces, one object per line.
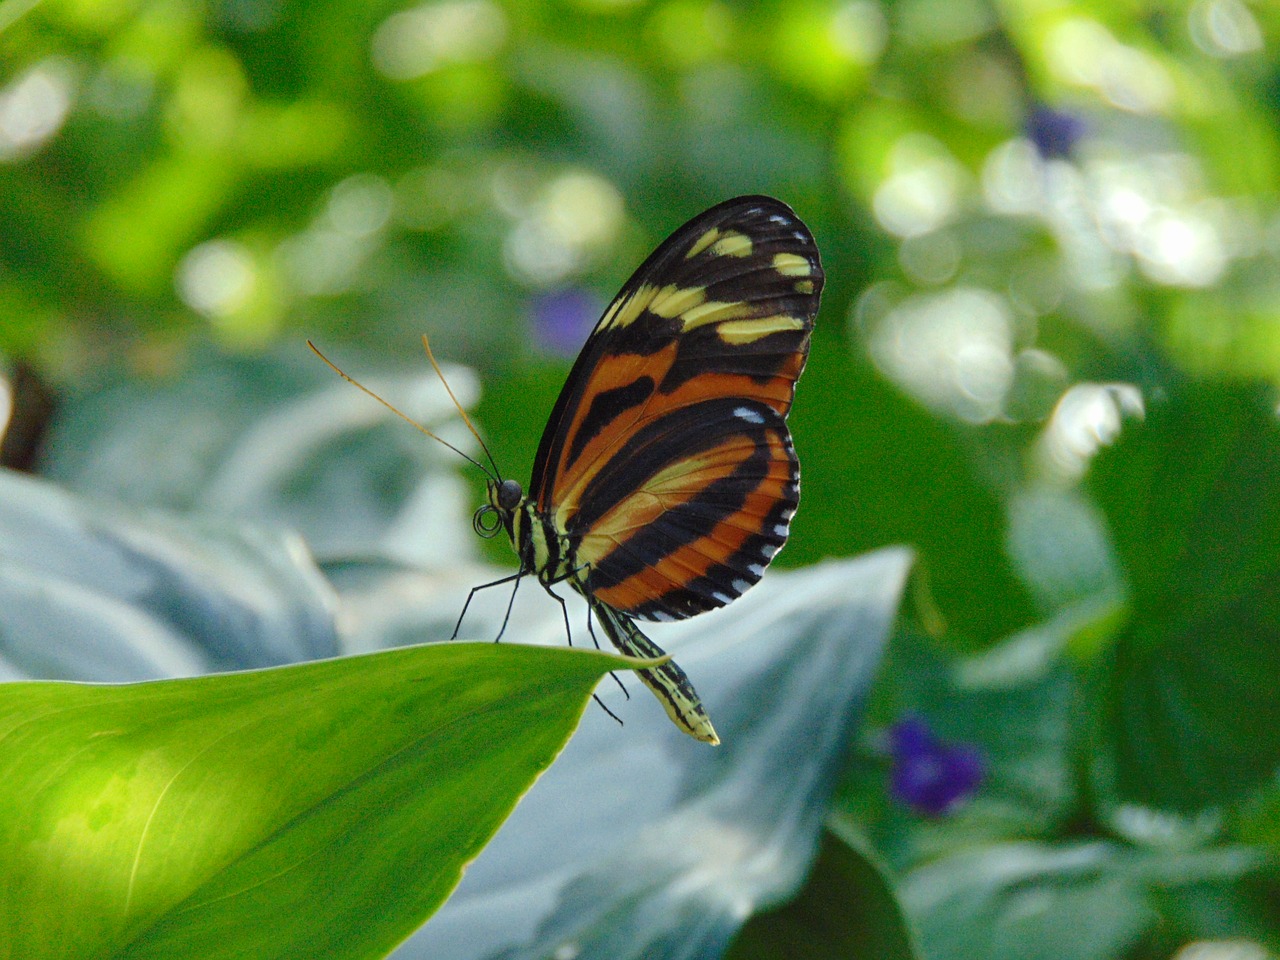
{"x":721,"y":598}
{"x":769,"y":549}
{"x":781,"y":530}
{"x":749,"y":415}
{"x":741,"y":586}
{"x":662,"y":617}
{"x":777,"y":218}
{"x":756,"y":570}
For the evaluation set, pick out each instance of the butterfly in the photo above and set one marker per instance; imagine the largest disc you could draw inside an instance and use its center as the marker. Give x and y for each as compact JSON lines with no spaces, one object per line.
{"x":666,"y":479}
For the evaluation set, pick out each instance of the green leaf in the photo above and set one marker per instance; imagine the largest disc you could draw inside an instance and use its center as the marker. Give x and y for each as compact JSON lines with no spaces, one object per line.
{"x":847,"y":909}
{"x":641,"y":843}
{"x":1193,"y":501}
{"x":324,"y":809}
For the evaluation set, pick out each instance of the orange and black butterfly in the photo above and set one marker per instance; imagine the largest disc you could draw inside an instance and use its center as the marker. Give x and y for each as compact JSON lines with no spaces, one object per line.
{"x":666,"y":479}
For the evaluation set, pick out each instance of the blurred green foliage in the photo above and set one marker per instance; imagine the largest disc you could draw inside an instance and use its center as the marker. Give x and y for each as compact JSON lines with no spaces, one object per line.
{"x":1042,"y":224}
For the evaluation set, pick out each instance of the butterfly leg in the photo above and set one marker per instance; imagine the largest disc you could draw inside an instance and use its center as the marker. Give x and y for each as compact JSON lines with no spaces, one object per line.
{"x":564,"y":611}
{"x":574,"y":576}
{"x":616,"y":679}
{"x":510,"y":603}
{"x":591,"y":628}
{"x":606,"y":709}
{"x":474,"y":591}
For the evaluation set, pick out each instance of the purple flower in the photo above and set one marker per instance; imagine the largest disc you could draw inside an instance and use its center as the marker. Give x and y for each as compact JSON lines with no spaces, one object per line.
{"x":1055,"y":133}
{"x":562,"y":319}
{"x":932,"y":777}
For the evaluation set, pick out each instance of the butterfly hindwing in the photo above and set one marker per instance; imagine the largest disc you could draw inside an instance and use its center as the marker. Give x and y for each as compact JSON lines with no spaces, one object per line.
{"x":667,"y":460}
{"x":689,"y":517}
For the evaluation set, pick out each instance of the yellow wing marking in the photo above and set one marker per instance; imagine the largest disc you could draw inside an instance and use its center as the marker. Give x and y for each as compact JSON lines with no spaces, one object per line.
{"x":732,"y":245}
{"x":740,"y":332}
{"x":626,"y":312}
{"x":728,"y":243}
{"x":791,"y":265}
{"x":672,"y":301}
{"x":704,"y":241}
{"x":690,"y":304}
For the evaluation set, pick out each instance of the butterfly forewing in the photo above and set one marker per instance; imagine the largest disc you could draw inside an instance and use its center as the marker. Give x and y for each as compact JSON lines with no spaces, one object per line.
{"x":667,"y":460}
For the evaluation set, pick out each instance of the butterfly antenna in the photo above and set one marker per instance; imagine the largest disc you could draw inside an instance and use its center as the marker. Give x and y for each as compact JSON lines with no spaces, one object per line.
{"x":403,"y":416}
{"x":426,"y":345}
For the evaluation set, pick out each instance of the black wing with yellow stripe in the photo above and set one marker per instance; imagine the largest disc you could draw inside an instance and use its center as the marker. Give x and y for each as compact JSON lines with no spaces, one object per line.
{"x":667,"y":461}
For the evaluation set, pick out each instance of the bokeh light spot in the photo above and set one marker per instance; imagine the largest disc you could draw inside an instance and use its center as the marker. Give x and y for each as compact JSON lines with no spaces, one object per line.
{"x":1088,"y":417}
{"x":1084,"y":52}
{"x":413,"y":43}
{"x":859,"y":31}
{"x":1222,"y":950}
{"x":952,"y":350}
{"x":1224,"y":28}
{"x":691,"y":32}
{"x":930,"y":259}
{"x":216,"y":278}
{"x":33,"y":108}
{"x":1182,"y":249}
{"x":922,"y":189}
{"x":360,"y":205}
{"x":567,"y":224}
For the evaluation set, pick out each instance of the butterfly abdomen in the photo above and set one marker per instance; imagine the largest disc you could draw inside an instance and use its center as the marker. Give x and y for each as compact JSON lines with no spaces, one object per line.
{"x":669,"y":683}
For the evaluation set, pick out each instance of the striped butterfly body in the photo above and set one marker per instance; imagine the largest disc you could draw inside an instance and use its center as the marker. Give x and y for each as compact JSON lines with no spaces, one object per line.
{"x":666,"y":479}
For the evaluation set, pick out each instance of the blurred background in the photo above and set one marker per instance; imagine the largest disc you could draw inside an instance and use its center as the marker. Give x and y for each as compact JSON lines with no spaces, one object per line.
{"x":1051,"y":236}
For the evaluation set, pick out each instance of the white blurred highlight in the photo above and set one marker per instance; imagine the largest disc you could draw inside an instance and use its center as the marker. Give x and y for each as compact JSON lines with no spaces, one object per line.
{"x":859,"y":31}
{"x":413,"y":43}
{"x":1084,"y":53}
{"x":325,"y":259}
{"x":33,"y":108}
{"x":922,"y":189}
{"x":951,"y":350}
{"x":562,"y":227}
{"x":1222,"y":950}
{"x":216,"y":278}
{"x":1148,"y":206}
{"x":360,"y":205}
{"x":1224,"y":28}
{"x":1087,"y":418}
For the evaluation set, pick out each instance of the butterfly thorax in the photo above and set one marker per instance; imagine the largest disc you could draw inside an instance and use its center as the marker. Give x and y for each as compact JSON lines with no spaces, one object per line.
{"x":542,"y":547}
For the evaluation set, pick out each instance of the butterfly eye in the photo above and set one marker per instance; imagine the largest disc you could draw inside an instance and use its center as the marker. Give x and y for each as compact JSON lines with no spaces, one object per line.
{"x":509,"y":494}
{"x":487,"y":521}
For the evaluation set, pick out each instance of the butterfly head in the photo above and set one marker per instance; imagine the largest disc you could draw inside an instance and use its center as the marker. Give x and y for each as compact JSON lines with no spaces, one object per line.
{"x":504,"y":497}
